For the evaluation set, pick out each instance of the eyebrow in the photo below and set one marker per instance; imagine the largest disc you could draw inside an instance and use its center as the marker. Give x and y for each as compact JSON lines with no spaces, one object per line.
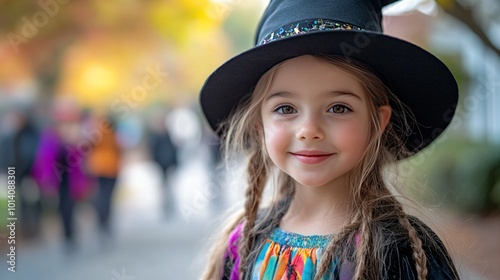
{"x":279,"y":94}
{"x":340,"y":92}
{"x":334,"y":92}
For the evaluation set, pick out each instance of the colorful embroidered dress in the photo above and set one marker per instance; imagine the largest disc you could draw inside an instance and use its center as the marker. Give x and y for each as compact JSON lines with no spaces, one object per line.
{"x":287,"y":255}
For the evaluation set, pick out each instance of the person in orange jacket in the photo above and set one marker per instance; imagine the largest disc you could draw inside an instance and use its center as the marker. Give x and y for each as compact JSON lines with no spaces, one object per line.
{"x":103,"y":163}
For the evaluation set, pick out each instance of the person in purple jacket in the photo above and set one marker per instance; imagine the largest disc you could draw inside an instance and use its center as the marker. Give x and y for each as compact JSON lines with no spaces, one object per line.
{"x":59,"y":166}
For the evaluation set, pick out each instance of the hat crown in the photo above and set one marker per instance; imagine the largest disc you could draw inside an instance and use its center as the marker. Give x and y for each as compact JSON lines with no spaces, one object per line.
{"x":365,"y":14}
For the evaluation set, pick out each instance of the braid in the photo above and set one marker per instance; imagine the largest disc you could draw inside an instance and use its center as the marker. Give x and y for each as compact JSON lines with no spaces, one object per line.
{"x":347,"y":233}
{"x":257,"y":177}
{"x":363,"y":252}
{"x":418,"y":251}
{"x":268,"y":220}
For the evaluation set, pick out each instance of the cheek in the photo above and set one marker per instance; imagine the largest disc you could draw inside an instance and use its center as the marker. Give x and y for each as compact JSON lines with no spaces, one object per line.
{"x":277,"y":139}
{"x":353,"y":138}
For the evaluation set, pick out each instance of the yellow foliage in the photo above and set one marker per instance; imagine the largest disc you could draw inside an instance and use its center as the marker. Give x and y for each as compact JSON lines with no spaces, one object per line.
{"x":178,"y":20}
{"x":94,"y":70}
{"x":118,"y":42}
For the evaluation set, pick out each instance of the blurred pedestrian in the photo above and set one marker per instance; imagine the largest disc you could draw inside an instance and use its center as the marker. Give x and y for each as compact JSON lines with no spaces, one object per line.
{"x":103,"y":163}
{"x":163,"y":152}
{"x":58,"y":166}
{"x":18,"y":150}
{"x":215,"y":169}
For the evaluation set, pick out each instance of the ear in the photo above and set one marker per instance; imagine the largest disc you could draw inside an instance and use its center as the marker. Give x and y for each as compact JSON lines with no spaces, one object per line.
{"x":384,"y":115}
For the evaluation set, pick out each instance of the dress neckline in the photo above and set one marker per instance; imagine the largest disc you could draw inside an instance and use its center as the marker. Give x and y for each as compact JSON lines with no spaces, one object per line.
{"x":293,"y":239}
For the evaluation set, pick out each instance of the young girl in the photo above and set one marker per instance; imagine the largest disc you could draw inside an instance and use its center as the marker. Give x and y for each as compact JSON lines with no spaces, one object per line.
{"x":320,"y":116}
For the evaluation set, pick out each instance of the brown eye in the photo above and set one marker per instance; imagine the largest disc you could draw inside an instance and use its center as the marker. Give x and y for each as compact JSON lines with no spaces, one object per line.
{"x":285,"y":110}
{"x":339,"y":109}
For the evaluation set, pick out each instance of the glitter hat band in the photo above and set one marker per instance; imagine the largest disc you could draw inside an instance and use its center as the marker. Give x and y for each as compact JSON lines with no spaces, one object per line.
{"x":306,"y":26}
{"x":346,"y":28}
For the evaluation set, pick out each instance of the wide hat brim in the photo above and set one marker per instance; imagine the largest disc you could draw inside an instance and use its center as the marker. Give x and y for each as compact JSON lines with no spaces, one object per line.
{"x":419,"y":79}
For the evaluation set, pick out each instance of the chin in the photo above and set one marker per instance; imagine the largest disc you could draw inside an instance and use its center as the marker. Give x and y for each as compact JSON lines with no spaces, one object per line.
{"x":311,"y":182}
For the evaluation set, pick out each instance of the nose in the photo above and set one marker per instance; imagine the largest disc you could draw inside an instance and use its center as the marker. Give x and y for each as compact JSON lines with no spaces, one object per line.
{"x":310,"y":128}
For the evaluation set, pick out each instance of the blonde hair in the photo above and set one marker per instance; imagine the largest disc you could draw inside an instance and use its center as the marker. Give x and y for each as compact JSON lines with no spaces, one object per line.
{"x":374,"y":203}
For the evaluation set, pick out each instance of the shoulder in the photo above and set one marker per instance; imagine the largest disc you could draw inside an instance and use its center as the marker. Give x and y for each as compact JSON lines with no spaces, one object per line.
{"x":232,"y":242}
{"x":231,"y":257}
{"x":235,"y":236}
{"x":398,"y":252}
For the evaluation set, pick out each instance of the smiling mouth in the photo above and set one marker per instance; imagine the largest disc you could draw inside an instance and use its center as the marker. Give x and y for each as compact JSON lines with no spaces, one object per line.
{"x":311,"y":157}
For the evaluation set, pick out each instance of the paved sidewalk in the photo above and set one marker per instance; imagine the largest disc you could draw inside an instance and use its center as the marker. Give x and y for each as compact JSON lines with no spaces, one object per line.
{"x":175,"y":250}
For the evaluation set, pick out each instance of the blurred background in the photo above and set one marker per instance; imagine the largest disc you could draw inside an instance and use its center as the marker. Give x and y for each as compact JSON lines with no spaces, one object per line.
{"x":116,"y":173}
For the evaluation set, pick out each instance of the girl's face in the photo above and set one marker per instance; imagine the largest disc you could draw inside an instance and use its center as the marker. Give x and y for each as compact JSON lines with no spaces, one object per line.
{"x":316,"y":121}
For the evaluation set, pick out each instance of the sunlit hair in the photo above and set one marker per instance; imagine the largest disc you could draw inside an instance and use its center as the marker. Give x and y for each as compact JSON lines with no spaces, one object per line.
{"x":372,"y":200}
